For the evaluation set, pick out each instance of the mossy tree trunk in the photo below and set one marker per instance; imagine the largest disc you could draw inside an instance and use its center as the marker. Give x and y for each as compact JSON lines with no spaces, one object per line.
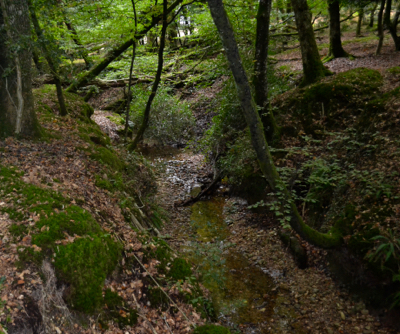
{"x":49,"y":59}
{"x":146,"y":116}
{"x":392,"y":24}
{"x":335,"y":40}
{"x":380,"y":27}
{"x":82,"y":51}
{"x":254,"y":123}
{"x":359,"y":22}
{"x":260,"y":80}
{"x":118,"y":50}
{"x":17,"y":115}
{"x":372,"y":16}
{"x":313,"y":68}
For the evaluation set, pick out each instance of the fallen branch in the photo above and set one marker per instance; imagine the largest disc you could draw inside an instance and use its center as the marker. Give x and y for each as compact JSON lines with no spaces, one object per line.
{"x":201,"y":194}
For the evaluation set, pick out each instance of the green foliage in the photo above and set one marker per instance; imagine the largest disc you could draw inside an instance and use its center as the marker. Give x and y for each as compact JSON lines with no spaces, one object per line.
{"x":180,"y":269}
{"x":211,"y":329}
{"x":394,"y":70}
{"x":171,"y":120}
{"x":116,"y":310}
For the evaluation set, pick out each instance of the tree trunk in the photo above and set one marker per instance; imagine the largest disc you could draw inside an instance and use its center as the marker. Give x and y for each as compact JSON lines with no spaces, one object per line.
{"x":392,"y":24}
{"x":117,"y":51}
{"x":335,"y":40}
{"x":359,"y":22}
{"x":260,"y":80}
{"x":380,"y":27}
{"x":146,"y":116}
{"x":82,"y":51}
{"x":253,"y":120}
{"x":53,"y":69}
{"x":313,"y":68}
{"x":371,"y":18}
{"x":36,"y":60}
{"x":17,"y":115}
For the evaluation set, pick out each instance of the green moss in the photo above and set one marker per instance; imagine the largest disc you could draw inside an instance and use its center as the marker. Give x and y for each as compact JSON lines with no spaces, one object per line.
{"x":394,"y":70}
{"x":18,"y":230}
{"x":211,"y":329}
{"x":108,"y":157}
{"x":180,"y":269}
{"x":85,"y":264}
{"x":74,"y":220}
{"x":46,"y":102}
{"x":93,"y":134}
{"x":116,"y":310}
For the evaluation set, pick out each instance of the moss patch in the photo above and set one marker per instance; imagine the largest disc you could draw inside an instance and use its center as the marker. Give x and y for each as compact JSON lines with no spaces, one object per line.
{"x":84,"y":255}
{"x":46,"y":101}
{"x":180,"y":269}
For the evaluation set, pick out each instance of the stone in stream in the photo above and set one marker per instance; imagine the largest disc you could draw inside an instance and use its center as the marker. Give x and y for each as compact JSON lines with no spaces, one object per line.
{"x":195,"y":189}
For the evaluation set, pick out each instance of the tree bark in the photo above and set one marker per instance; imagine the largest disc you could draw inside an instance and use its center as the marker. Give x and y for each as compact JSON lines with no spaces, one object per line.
{"x":82,"y":51}
{"x":53,"y":69}
{"x":17,"y":115}
{"x":313,"y":68}
{"x":146,"y":116}
{"x":335,"y":40}
{"x":260,"y":80}
{"x":380,"y":27}
{"x":359,"y":22}
{"x":117,"y":51}
{"x":254,"y":123}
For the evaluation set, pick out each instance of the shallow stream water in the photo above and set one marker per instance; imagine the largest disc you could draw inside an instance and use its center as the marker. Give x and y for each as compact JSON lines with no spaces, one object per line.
{"x":240,"y":292}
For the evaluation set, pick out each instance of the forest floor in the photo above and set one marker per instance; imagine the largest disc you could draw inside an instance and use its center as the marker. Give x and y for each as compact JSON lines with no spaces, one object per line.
{"x":362,"y":48}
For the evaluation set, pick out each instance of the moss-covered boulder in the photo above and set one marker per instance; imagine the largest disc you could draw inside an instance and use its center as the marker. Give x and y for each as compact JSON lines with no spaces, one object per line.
{"x":46,"y":100}
{"x":333,"y":102}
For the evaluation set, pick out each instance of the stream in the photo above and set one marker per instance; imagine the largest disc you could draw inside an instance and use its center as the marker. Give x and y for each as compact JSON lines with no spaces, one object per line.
{"x":240,"y":292}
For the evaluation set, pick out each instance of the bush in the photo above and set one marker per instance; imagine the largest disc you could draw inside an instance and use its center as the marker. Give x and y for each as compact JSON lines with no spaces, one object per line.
{"x":171,"y":120}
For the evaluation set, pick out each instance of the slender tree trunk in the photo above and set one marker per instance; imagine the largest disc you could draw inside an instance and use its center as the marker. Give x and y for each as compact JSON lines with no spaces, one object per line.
{"x":118,"y":50}
{"x":380,"y":27}
{"x":392,"y":24}
{"x":359,"y":22}
{"x":36,"y":60}
{"x":253,"y":120}
{"x":335,"y":40}
{"x":17,"y":115}
{"x":82,"y":51}
{"x":260,"y":80}
{"x":313,"y":68}
{"x":371,"y":18}
{"x":128,"y":100}
{"x":146,"y":116}
{"x":53,"y":69}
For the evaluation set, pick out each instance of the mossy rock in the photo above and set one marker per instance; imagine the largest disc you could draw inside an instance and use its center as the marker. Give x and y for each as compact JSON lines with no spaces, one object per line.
{"x":180,"y":269}
{"x":46,"y":101}
{"x":93,"y":135}
{"x":328,"y":103}
{"x":394,"y":70}
{"x":211,"y":329}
